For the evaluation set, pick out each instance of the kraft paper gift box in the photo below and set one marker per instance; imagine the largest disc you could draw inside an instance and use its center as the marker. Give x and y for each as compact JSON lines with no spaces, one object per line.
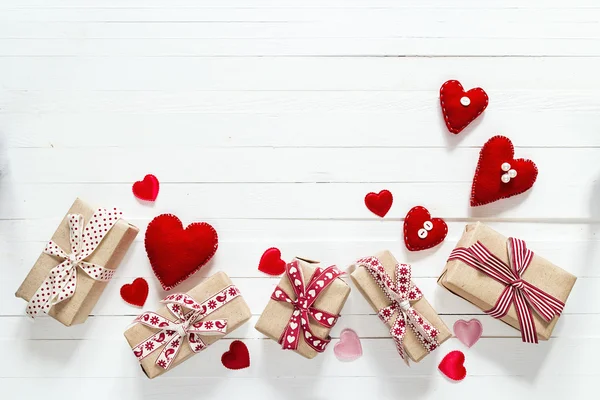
{"x":377,"y":298}
{"x":219,"y":301}
{"x":110,"y":250}
{"x":278,"y":320}
{"x":483,"y":291}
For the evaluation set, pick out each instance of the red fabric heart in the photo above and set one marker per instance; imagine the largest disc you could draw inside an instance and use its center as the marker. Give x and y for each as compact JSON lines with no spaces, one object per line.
{"x":379,"y":203}
{"x":176,"y":253}
{"x":135,"y":293}
{"x":460,"y":108}
{"x":237,"y":357}
{"x":146,"y":189}
{"x":452,"y":365}
{"x":487,"y":183}
{"x":271,"y":262}
{"x":421,"y":231}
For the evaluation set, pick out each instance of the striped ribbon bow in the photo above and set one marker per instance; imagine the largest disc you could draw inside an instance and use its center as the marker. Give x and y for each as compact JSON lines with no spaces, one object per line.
{"x":61,"y":282}
{"x":401,"y":292}
{"x":521,"y":293}
{"x":189,"y":323}
{"x":306,"y":295}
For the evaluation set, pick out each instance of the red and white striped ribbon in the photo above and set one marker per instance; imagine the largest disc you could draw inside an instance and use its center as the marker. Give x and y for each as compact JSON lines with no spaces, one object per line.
{"x":522,"y":294}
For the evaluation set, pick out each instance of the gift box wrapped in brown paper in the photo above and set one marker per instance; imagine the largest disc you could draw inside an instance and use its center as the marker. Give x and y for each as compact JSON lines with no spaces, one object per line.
{"x":108,"y":254}
{"x":279,"y":321}
{"x":378,"y":300}
{"x":218,"y":295}
{"x":483,"y":291}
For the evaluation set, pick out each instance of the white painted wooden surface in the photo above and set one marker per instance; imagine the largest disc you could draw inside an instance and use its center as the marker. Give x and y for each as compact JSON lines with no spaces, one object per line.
{"x":271,"y":120}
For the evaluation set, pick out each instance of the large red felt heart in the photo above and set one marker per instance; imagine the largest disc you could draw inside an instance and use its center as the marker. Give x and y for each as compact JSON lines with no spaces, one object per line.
{"x":146,"y":189}
{"x":379,"y":203}
{"x":271,"y":262}
{"x":460,"y":108}
{"x":176,"y":253}
{"x":491,"y":181}
{"x":421,"y":231}
{"x":135,"y":293}
{"x":452,"y":365}
{"x":237,"y":357}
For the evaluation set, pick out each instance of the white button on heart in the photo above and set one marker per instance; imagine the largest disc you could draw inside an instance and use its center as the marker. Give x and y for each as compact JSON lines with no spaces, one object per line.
{"x":428,"y":225}
{"x":422,"y":233}
{"x":465,"y":101}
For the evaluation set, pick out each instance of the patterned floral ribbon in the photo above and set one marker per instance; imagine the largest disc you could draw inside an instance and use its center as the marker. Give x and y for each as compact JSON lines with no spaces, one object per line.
{"x":303,"y":306}
{"x":189,"y":323}
{"x":517,"y":291}
{"x":401,"y":292}
{"x":61,"y":282}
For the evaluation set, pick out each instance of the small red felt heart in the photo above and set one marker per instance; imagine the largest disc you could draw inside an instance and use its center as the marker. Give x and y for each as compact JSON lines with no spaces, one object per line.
{"x":271,"y":262}
{"x":176,"y":253}
{"x":452,"y":365}
{"x":135,"y":293}
{"x":460,"y":108}
{"x":421,"y":231}
{"x":146,"y":189}
{"x":379,"y":203}
{"x":237,"y":357}
{"x":488,"y":184}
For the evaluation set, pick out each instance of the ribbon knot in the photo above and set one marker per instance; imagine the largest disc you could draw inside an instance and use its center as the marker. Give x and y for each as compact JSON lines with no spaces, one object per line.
{"x":73,"y":260}
{"x":518,"y":292}
{"x":303,"y":310}
{"x":404,"y":305}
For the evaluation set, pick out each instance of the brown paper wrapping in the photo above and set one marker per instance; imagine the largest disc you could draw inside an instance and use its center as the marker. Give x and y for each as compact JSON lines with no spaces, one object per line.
{"x":277,"y":314}
{"x":109,"y":254}
{"x":236,"y":312}
{"x":378,"y":299}
{"x":483,"y":291}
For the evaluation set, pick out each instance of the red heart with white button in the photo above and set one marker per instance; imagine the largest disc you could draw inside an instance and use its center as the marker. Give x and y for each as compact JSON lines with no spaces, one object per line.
{"x":460,"y":108}
{"x":499,"y":175}
{"x":421,"y":231}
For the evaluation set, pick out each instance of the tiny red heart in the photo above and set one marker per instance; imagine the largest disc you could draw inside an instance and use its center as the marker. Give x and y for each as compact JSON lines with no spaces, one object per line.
{"x":379,"y":203}
{"x":421,"y":231}
{"x":271,"y":262}
{"x":460,"y":108}
{"x":135,"y":293}
{"x":237,"y":357}
{"x":146,"y":189}
{"x":491,"y":182}
{"x":452,"y":365}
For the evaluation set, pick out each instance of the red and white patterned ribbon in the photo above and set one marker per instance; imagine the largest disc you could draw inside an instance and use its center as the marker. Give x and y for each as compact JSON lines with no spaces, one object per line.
{"x":61,"y":282}
{"x":189,"y":323}
{"x":303,"y":306}
{"x":522,"y":294}
{"x":401,"y":293}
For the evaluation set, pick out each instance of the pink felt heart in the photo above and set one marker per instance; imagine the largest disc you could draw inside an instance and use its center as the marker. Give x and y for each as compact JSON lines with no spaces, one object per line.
{"x":468,"y":332}
{"x":349,"y":347}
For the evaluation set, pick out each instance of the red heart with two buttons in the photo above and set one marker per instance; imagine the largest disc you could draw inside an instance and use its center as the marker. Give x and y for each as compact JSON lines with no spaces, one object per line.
{"x":499,"y":175}
{"x":421,"y":231}
{"x":460,"y":108}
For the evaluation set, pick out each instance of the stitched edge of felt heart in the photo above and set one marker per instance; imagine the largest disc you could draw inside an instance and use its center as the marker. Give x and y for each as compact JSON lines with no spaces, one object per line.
{"x":453,"y":365}
{"x":203,"y":263}
{"x":409,"y":245}
{"x":136,"y":292}
{"x":468,"y":336}
{"x":349,"y":341}
{"x":473,"y":201}
{"x":271,"y":263}
{"x":451,"y":128}
{"x":379,"y":203}
{"x":147,"y":189}
{"x":237,"y":357}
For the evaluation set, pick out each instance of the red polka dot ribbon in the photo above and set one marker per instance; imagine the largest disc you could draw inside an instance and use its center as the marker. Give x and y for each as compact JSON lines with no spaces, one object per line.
{"x":522,"y":294}
{"x":306,"y":295}
{"x":401,"y":293}
{"x":61,"y":282}
{"x":189,"y":323}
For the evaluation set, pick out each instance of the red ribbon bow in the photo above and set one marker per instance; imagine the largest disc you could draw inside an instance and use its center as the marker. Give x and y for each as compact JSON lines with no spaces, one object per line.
{"x":305,"y":297}
{"x":517,"y":291}
{"x":401,"y":293}
{"x":188,"y":324}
